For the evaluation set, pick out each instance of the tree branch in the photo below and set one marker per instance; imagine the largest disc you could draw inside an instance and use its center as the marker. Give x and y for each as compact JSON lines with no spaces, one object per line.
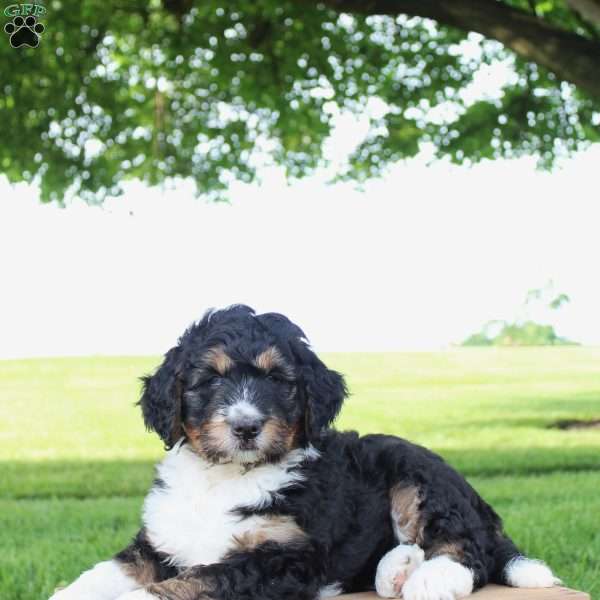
{"x":570,"y":56}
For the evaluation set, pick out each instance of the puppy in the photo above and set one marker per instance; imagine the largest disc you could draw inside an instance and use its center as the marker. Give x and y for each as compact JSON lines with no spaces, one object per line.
{"x":258,"y":499}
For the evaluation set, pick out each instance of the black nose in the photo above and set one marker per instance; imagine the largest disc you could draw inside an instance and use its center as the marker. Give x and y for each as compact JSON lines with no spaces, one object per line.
{"x":246,"y":430}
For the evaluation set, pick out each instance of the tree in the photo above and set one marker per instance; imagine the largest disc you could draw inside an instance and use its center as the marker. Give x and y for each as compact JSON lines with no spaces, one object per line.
{"x":159,"y":90}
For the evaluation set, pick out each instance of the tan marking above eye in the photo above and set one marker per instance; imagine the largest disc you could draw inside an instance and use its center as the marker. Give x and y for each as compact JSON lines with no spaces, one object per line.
{"x":218,"y":360}
{"x":271,"y":359}
{"x":268,"y":359}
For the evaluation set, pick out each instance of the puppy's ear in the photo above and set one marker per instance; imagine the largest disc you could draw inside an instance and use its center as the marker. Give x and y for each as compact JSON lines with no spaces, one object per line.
{"x":325,"y":391}
{"x":161,"y":399}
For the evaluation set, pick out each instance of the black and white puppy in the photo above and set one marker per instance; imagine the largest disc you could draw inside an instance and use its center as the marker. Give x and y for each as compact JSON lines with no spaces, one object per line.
{"x":258,"y":499}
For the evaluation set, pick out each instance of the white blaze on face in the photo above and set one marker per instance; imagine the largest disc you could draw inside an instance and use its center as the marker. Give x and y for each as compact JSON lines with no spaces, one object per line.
{"x":242,"y":409}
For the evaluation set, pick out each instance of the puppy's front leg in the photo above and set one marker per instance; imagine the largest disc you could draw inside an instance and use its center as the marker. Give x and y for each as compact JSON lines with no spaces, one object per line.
{"x":271,"y":571}
{"x":131,"y":569}
{"x":105,"y":581}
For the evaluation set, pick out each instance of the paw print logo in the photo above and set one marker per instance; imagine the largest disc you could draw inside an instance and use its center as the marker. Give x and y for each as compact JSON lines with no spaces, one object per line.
{"x":24,"y":32}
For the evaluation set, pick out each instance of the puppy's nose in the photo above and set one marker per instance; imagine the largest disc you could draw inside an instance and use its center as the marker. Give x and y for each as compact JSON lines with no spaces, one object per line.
{"x":246,"y":429}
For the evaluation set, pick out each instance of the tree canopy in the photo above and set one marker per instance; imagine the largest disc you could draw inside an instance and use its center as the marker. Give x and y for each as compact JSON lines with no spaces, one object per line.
{"x":164,"y":89}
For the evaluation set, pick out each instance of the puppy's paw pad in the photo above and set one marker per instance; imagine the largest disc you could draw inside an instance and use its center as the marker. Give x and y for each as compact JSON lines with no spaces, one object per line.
{"x":394,"y":569}
{"x":439,"y":578}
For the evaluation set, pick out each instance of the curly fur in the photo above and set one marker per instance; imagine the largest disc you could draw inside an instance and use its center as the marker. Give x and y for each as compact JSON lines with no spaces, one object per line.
{"x":259,"y":499}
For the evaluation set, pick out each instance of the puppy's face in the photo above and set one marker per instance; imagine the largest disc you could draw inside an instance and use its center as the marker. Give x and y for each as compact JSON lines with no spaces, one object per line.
{"x":242,"y":387}
{"x":243,"y":409}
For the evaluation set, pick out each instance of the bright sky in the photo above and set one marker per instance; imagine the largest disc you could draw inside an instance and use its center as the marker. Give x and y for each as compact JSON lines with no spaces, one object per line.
{"x":418,"y":260}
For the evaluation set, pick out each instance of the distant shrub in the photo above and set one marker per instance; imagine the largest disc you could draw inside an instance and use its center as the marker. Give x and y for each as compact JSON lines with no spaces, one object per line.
{"x":528,"y":333}
{"x":524,"y":331}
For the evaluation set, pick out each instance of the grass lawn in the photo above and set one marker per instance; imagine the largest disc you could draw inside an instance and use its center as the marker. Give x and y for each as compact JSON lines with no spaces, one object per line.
{"x":75,"y":460}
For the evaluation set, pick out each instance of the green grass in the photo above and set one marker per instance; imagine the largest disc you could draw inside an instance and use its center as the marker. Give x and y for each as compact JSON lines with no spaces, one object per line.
{"x":75,"y":460}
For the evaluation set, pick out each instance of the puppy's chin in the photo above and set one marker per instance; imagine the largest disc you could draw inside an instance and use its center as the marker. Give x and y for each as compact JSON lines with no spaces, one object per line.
{"x":226,"y":450}
{"x":247,"y":457}
{"x":252,"y":457}
{"x":236,"y":457}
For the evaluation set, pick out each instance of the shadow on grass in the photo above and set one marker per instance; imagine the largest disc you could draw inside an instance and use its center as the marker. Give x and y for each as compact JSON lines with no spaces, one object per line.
{"x":477,"y":462}
{"x":75,"y":479}
{"x":129,"y":478}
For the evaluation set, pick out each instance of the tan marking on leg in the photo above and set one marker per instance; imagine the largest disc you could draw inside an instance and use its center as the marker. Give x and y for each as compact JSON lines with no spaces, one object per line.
{"x":143,"y":571}
{"x":179,"y":588}
{"x":453,"y":550}
{"x":135,"y":564}
{"x":406,"y":515}
{"x":280,"y":529}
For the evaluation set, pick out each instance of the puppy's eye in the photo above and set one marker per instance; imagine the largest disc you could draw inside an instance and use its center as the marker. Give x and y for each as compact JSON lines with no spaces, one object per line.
{"x":276,"y":377}
{"x":212,"y":380}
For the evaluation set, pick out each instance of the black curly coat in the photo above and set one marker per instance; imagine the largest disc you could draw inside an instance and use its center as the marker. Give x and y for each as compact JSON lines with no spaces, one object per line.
{"x":343,"y":502}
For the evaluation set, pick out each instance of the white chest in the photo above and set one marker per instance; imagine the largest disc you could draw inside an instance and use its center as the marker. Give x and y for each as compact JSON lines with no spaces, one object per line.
{"x":191,"y":519}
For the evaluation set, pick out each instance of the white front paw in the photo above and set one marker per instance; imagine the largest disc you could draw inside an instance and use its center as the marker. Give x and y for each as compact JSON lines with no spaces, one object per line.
{"x":395,"y":568}
{"x":140,"y":594}
{"x":439,"y":578}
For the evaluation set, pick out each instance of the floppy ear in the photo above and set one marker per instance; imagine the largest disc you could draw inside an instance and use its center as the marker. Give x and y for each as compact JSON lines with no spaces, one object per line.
{"x":161,"y":399}
{"x":325,"y":391}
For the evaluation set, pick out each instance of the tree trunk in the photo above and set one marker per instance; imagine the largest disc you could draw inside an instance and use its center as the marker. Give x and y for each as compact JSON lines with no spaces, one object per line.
{"x":570,"y":56}
{"x":588,"y":9}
